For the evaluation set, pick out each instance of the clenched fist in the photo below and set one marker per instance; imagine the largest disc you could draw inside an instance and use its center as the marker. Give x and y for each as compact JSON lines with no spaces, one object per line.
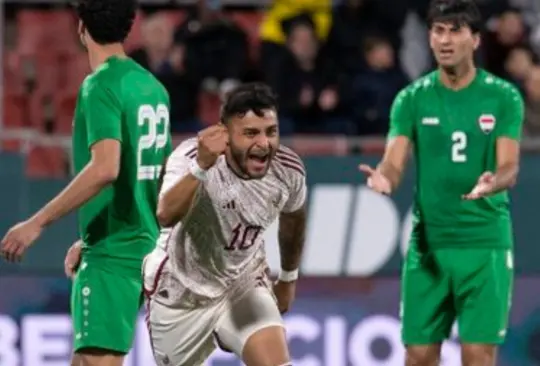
{"x":212,"y":143}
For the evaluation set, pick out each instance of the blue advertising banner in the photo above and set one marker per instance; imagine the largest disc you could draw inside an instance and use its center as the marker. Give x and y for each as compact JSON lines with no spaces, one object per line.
{"x":336,"y":322}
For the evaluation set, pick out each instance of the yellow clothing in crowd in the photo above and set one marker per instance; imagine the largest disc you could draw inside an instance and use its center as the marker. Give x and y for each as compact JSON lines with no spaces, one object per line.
{"x":321,"y":11}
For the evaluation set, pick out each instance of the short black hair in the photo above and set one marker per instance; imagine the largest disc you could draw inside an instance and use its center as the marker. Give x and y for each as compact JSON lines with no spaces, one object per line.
{"x":459,"y":12}
{"x":256,"y":97}
{"x":107,"y":21}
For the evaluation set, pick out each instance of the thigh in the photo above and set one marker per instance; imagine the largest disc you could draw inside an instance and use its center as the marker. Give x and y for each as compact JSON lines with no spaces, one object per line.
{"x":181,"y":336}
{"x":483,"y":282}
{"x":254,"y":311}
{"x":104,"y":308}
{"x":426,"y":299}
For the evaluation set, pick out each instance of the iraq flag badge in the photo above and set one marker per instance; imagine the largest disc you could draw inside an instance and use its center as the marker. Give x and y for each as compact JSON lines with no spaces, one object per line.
{"x":487,"y":123}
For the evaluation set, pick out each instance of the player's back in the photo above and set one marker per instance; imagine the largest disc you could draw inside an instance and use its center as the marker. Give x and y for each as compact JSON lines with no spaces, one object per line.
{"x":120,"y":222}
{"x":454,"y":135}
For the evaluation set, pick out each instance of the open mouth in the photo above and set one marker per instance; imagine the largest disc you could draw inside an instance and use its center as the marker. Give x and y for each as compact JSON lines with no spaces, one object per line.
{"x":446,"y":52}
{"x":259,"y":160}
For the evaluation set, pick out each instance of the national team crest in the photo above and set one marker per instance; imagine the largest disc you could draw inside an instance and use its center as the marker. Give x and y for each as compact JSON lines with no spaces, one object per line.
{"x":487,"y":123}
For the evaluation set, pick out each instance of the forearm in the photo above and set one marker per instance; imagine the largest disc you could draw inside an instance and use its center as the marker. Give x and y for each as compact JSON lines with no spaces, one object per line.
{"x":87,"y":184}
{"x":175,"y":203}
{"x":392,"y":173}
{"x":505,"y":177}
{"x":291,"y":238}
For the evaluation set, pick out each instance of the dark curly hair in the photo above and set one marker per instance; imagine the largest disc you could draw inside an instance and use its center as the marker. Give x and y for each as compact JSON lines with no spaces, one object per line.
{"x":107,"y":21}
{"x":255,"y":97}
{"x":459,"y":12}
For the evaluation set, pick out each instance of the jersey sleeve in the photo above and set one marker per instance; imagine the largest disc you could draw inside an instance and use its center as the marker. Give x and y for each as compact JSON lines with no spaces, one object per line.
{"x":177,"y":166}
{"x":296,"y":176}
{"x":401,"y":118}
{"x":297,"y":195}
{"x":103,"y":114}
{"x":512,"y":115}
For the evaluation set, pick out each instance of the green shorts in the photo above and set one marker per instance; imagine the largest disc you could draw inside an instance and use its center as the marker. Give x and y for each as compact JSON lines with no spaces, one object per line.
{"x":472,"y":286}
{"x":104,"y":309}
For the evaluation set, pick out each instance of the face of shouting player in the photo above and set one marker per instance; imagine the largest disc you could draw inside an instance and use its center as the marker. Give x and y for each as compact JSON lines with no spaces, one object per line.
{"x":452,"y":44}
{"x":253,"y":142}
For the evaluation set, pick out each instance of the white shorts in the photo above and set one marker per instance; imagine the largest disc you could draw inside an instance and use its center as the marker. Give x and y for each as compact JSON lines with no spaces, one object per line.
{"x":187,"y":336}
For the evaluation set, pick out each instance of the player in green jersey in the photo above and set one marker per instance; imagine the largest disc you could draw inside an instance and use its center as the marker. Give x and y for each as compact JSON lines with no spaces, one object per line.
{"x":464,"y":126}
{"x":120,"y":140}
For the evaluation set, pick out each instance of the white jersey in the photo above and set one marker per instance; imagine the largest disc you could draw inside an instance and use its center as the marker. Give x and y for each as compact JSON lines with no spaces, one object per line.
{"x":219,"y":245}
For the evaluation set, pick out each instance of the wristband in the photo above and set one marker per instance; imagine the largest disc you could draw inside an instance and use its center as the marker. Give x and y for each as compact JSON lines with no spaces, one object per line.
{"x":288,"y":276}
{"x":197,"y":171}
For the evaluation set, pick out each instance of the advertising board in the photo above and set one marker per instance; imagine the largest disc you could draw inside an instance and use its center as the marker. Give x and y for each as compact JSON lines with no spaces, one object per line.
{"x":344,"y":326}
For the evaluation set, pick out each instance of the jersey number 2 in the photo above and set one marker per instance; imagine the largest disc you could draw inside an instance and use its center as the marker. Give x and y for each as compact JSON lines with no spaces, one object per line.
{"x":153,"y":117}
{"x":459,"y":143}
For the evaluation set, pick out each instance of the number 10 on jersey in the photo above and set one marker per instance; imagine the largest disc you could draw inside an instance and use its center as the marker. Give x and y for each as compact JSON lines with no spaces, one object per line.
{"x":459,"y":144}
{"x":150,"y":144}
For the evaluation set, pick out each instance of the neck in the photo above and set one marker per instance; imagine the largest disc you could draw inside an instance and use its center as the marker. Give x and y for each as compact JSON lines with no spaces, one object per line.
{"x":459,"y":76}
{"x":99,"y":54}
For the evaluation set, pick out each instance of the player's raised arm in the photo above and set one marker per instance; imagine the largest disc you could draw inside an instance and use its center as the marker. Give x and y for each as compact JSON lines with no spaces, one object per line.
{"x":104,"y":136}
{"x":183,"y":174}
{"x":386,"y":177}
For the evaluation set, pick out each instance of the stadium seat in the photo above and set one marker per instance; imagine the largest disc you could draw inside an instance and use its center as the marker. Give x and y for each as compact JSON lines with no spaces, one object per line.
{"x":11,"y":74}
{"x":209,"y":104}
{"x":47,"y":162}
{"x":15,"y":108}
{"x":51,"y":30}
{"x":64,"y":106}
{"x":74,"y":68}
{"x":47,"y":71}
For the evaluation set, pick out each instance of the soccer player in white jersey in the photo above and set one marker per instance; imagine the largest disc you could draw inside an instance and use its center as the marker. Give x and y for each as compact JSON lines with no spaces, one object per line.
{"x":207,"y":281}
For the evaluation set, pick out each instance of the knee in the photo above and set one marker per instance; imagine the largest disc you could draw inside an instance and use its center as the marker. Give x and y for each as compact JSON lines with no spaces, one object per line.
{"x":422,"y":356}
{"x":478,"y":355}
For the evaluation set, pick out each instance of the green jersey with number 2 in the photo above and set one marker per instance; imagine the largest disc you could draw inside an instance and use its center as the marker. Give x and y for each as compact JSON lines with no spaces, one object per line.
{"x":124,"y":102}
{"x":454,"y":135}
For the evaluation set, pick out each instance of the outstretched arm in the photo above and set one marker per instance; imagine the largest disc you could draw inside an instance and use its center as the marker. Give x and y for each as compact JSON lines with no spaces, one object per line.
{"x":394,"y":160}
{"x":102,"y":169}
{"x":507,"y":164}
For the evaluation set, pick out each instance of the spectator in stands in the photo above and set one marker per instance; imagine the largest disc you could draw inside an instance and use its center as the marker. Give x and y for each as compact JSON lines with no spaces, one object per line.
{"x":219,"y":46}
{"x":518,"y":65}
{"x":509,"y":31}
{"x":306,"y":84}
{"x":170,"y":65}
{"x":374,"y":88}
{"x":273,"y":37}
{"x":532,"y":110}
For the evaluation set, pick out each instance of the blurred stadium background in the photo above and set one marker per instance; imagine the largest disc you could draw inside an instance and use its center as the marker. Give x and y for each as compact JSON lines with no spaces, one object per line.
{"x":337,"y":67}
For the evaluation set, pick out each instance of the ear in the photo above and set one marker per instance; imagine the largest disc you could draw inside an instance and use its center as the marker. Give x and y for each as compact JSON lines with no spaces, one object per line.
{"x":477,"y":41}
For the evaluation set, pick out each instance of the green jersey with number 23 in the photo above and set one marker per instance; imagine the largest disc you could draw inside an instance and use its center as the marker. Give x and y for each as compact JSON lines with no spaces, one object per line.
{"x":124,"y":102}
{"x":454,"y":134}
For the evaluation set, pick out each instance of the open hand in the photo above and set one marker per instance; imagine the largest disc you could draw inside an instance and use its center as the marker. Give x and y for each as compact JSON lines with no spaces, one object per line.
{"x":18,"y":239}
{"x":375,"y":180}
{"x":484,"y":187}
